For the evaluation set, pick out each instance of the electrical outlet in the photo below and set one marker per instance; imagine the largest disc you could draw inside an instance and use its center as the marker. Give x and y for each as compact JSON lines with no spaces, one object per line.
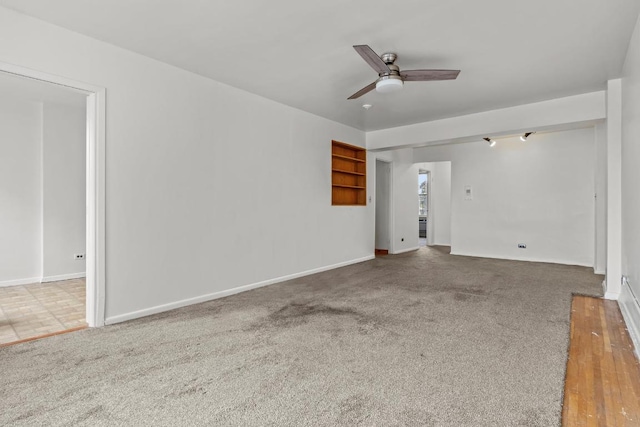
{"x":78,"y":256}
{"x":522,"y":246}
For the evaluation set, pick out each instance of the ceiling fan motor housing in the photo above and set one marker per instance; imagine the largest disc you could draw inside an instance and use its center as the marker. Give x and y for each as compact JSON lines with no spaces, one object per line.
{"x":391,"y":81}
{"x":389,"y":58}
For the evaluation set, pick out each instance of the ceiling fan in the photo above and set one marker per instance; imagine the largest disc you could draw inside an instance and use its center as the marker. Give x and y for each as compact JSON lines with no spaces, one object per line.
{"x":390,"y":78}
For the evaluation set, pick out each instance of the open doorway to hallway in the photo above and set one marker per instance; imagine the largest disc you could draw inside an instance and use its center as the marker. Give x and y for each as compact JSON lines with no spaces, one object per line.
{"x":43,"y":138}
{"x":423,"y":206}
{"x":383,"y":208}
{"x":434,"y":203}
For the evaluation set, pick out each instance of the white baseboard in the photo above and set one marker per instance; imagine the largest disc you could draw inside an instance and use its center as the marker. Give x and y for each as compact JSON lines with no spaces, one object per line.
{"x":31,"y":280}
{"x":64,"y":277}
{"x":405,"y":250}
{"x":208,"y":297}
{"x":601,"y":272}
{"x":630,"y":308}
{"x":18,"y":282}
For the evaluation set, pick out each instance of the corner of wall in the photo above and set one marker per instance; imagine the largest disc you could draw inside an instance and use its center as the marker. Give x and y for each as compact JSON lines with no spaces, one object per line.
{"x":630,"y":308}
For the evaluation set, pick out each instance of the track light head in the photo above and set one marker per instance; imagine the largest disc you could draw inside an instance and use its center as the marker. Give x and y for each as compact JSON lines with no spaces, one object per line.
{"x":492,"y":142}
{"x":524,"y":137}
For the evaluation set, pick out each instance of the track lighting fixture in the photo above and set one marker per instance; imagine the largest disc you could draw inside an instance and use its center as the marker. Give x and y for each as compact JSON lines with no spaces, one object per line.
{"x":491,"y":142}
{"x":524,"y":137}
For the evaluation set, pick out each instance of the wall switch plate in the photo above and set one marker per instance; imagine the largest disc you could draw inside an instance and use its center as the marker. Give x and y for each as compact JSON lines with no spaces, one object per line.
{"x":522,"y":246}
{"x":468,"y":192}
{"x":78,"y":256}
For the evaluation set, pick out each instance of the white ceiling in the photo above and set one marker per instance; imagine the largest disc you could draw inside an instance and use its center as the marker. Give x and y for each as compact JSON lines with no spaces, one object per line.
{"x":20,"y":88}
{"x":299,"y":53}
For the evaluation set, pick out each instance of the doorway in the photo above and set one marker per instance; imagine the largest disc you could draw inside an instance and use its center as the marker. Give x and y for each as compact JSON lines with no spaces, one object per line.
{"x":434,"y":203}
{"x":424,"y":192}
{"x":43,"y":203}
{"x":93,"y":105}
{"x":383,"y":208}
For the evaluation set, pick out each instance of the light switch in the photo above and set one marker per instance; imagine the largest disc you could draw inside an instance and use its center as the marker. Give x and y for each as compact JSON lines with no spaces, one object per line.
{"x":468,"y":192}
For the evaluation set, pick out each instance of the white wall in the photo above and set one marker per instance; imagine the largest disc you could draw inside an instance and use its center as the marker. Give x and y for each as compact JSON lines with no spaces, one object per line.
{"x":540,"y":193}
{"x":20,"y":191}
{"x":439,"y":216}
{"x":64,"y":186}
{"x":208,"y":187}
{"x":613,"y":276}
{"x":630,"y":180}
{"x":600,"y":178}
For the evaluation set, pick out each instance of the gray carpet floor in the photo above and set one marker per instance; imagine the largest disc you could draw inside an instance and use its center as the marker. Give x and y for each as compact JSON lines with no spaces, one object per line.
{"x":421,"y":339}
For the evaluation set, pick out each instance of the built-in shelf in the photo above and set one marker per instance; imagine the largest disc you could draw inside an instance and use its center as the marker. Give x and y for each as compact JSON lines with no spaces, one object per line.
{"x":349,"y":186}
{"x":348,"y":174}
{"x":351,"y":159}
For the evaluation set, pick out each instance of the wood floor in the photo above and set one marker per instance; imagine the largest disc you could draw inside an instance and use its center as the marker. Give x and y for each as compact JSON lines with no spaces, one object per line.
{"x":602,"y":386}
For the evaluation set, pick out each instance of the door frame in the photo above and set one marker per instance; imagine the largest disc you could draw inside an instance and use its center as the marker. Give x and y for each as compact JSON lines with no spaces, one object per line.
{"x":389,"y":202}
{"x":95,"y":179}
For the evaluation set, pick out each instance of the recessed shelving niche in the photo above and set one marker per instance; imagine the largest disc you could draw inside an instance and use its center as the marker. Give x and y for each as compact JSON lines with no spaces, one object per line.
{"x":348,"y":174}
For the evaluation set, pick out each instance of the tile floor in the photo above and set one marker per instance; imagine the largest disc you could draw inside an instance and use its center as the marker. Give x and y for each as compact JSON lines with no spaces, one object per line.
{"x":41,"y":308}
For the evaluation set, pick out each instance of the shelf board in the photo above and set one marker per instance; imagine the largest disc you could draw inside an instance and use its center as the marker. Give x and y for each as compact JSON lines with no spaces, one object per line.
{"x":353,"y":159}
{"x":349,"y":186}
{"x":348,"y":172}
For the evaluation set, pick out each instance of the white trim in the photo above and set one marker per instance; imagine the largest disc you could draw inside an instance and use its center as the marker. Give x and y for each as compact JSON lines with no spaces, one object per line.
{"x":614,"y":186}
{"x":221,"y":294}
{"x":401,"y":251}
{"x":600,"y":272}
{"x":630,"y":308}
{"x":96,"y":107}
{"x":18,"y":282}
{"x":96,"y":202}
{"x":392,"y":210}
{"x":41,"y":195}
{"x":63,"y":277}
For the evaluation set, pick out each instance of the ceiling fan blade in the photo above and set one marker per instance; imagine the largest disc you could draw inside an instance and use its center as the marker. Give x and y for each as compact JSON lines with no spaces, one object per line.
{"x":428,"y":75}
{"x":362,"y":91}
{"x":372,"y":58}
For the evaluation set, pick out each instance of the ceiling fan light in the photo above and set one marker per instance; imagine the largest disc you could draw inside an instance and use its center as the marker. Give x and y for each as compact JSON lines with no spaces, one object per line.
{"x":388,"y":85}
